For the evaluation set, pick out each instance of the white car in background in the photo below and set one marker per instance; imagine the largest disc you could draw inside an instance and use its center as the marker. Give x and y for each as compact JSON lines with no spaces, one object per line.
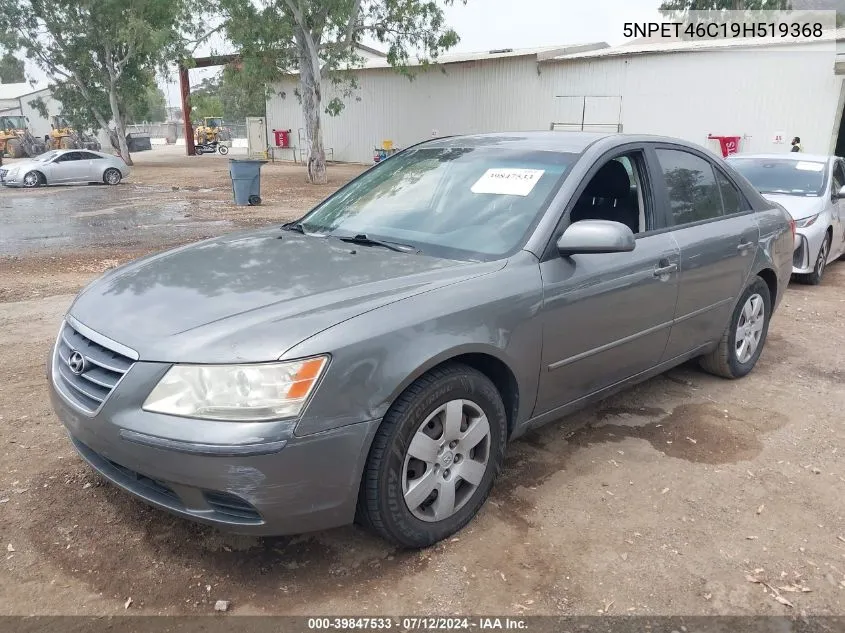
{"x":65,"y":166}
{"x":812,"y":188}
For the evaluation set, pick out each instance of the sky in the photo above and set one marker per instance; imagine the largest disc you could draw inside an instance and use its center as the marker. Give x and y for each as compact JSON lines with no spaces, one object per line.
{"x":485,"y":25}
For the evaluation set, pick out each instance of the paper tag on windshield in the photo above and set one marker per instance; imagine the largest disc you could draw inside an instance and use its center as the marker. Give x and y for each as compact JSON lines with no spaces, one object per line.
{"x":508,"y":182}
{"x":805,"y":166}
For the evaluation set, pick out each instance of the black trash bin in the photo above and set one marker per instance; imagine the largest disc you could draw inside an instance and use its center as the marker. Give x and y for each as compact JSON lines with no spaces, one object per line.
{"x":138,"y":142}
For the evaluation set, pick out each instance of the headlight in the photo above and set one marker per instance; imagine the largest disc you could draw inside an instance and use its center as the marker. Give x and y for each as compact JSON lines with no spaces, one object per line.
{"x":803,"y":224}
{"x":266,"y":391}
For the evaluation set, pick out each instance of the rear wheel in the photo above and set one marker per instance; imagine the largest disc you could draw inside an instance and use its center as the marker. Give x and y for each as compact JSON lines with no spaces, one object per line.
{"x":434,"y":458}
{"x":815,"y":278}
{"x":743,"y":340}
{"x":112,"y":176}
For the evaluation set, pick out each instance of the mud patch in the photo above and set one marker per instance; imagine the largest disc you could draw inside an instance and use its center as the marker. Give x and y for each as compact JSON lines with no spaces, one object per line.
{"x":122,"y":547}
{"x":699,"y":433}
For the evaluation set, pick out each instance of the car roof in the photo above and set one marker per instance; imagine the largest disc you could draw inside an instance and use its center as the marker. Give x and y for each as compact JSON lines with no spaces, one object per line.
{"x":548,"y":140}
{"x":821,"y":158}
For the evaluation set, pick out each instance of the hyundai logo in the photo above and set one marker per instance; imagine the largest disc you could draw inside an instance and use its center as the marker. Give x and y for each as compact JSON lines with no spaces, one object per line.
{"x":76,"y":362}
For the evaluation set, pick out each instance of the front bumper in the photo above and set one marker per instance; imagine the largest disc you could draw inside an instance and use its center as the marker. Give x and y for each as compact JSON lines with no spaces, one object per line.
{"x":808,"y":242}
{"x":9,"y":181}
{"x":255,"y":483}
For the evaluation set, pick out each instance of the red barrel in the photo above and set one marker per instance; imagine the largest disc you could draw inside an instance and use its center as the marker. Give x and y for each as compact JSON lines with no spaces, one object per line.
{"x":282,"y":138}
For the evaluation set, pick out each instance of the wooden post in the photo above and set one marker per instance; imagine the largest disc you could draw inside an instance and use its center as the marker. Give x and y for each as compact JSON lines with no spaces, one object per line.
{"x":185,"y":87}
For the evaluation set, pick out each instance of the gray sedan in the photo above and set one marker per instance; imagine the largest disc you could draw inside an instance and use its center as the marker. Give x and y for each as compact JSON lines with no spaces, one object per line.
{"x":374,"y":359}
{"x":65,"y":166}
{"x":811,"y":188}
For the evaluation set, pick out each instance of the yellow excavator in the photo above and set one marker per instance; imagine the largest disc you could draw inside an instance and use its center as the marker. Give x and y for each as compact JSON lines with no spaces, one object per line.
{"x":210,"y":136}
{"x":16,"y":140}
{"x":64,"y":136}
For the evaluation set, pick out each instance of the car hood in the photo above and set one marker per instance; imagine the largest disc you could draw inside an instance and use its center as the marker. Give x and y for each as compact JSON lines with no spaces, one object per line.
{"x":250,"y":297}
{"x":23,"y":164}
{"x":799,"y":207}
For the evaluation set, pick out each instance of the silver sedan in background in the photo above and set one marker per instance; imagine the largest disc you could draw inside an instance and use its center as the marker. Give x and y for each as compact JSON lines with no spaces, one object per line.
{"x":812,"y":188}
{"x":64,"y":166}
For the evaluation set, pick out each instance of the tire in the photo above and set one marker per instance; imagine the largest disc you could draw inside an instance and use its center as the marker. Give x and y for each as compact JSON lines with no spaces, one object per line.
{"x":112,"y":176}
{"x":254,"y":201}
{"x":391,"y":470}
{"x":14,"y":148}
{"x":815,"y":278}
{"x":32,"y":179}
{"x":223,"y":150}
{"x":725,"y":360}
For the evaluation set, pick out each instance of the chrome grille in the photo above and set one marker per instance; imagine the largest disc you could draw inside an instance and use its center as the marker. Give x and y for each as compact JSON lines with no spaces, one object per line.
{"x":3,"y":173}
{"x":103,"y":369}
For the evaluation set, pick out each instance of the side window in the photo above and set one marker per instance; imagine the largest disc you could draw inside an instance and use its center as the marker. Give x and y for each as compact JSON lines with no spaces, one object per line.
{"x":88,"y":156}
{"x":70,"y":156}
{"x":617,"y":192}
{"x":838,"y":176}
{"x":732,"y":198}
{"x":692,"y":188}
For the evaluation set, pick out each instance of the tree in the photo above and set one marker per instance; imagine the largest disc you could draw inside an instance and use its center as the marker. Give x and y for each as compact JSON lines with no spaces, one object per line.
{"x":103,"y":50}
{"x":11,"y":70}
{"x":151,"y":106}
{"x":231,"y":94}
{"x":205,"y":99}
{"x":318,"y":38}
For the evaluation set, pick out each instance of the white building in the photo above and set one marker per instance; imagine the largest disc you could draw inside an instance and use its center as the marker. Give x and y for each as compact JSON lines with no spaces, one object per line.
{"x":692,"y":90}
{"x":17,"y":99}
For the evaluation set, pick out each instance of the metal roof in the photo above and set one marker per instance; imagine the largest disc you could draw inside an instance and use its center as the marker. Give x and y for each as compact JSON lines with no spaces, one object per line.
{"x":15,"y":91}
{"x":541,"y":53}
{"x":678,"y":45}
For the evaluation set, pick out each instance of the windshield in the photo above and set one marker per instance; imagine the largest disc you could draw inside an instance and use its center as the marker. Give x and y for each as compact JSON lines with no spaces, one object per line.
{"x":15,"y":122}
{"x":456,"y":202}
{"x":789,"y":176}
{"x":43,"y":158}
{"x":214,"y":123}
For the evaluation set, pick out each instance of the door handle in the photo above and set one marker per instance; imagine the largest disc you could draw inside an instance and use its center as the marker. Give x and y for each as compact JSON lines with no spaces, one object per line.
{"x":744,"y":246}
{"x":664,"y":268}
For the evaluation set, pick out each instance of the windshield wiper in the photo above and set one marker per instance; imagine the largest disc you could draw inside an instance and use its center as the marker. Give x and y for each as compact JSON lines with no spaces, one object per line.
{"x":294,"y":226}
{"x":363,"y":240}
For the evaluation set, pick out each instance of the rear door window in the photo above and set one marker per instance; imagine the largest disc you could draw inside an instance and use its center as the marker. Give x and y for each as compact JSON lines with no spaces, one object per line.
{"x":691,"y":186}
{"x":732,"y":198}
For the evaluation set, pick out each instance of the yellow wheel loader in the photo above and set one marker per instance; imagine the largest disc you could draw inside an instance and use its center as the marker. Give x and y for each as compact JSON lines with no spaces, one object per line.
{"x":16,"y":140}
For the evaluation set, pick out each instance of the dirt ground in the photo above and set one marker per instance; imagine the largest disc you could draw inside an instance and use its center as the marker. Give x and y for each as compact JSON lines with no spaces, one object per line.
{"x":685,"y":495}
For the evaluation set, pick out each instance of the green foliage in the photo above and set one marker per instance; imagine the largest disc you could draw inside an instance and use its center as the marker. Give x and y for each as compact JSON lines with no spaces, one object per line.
{"x":100,"y":54}
{"x":11,"y":70}
{"x":150,"y":107}
{"x":230,"y":94}
{"x":318,"y":40}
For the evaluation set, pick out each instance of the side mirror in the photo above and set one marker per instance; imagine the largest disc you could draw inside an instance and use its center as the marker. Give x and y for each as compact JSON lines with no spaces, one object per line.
{"x":839,"y":194}
{"x":596,"y":236}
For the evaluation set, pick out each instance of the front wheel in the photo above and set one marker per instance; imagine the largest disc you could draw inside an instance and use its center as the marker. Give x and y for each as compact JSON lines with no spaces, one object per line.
{"x":815,"y":278}
{"x":434,"y":458}
{"x":743,"y":340}
{"x":112,"y":176}
{"x":31,"y":179}
{"x":223,"y":150}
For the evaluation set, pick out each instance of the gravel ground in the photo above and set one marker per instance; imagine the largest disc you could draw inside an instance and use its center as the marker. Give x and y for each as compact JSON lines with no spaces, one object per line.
{"x":685,"y":495}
